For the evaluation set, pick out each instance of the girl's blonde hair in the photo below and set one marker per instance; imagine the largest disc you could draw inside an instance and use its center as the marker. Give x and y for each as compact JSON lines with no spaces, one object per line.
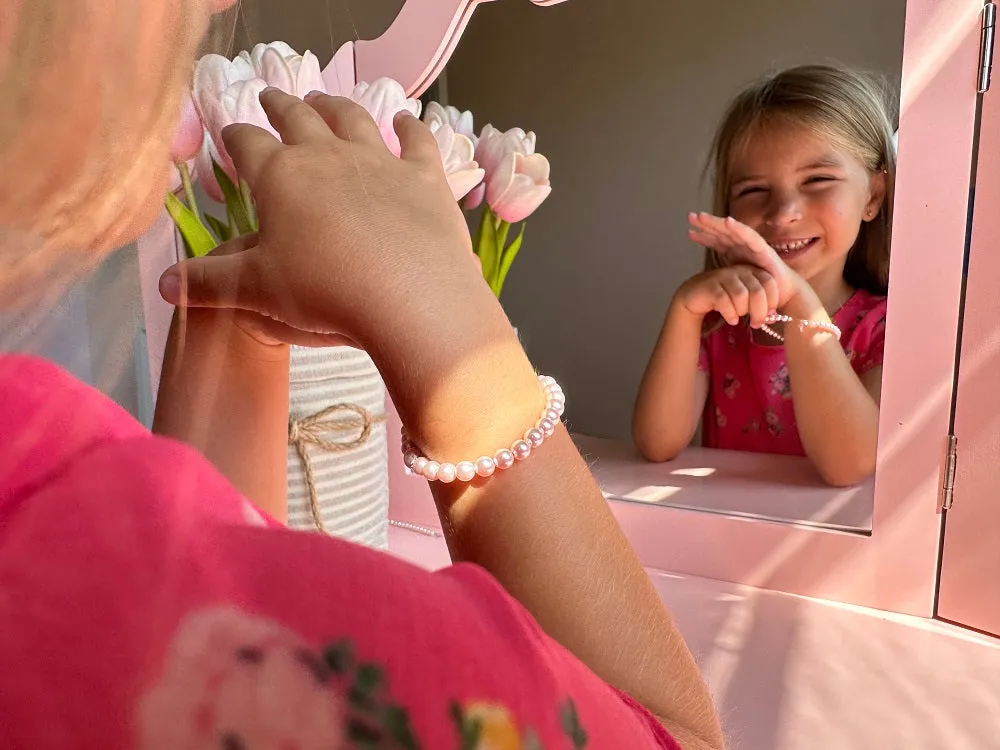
{"x":90,"y":92}
{"x":850,"y":108}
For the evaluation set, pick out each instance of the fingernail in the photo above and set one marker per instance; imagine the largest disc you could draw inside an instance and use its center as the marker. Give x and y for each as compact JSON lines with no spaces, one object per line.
{"x":312,"y":95}
{"x":170,"y":285}
{"x":269,"y":90}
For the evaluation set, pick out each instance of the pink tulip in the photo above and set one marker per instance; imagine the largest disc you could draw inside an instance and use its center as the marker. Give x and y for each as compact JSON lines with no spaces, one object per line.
{"x":518,"y":186}
{"x":228,"y":91}
{"x":189,"y":133}
{"x":205,"y":173}
{"x":494,"y":145}
{"x":384,"y":98}
{"x":240,"y":102}
{"x":457,"y":154}
{"x":475,"y":198}
{"x":461,"y":122}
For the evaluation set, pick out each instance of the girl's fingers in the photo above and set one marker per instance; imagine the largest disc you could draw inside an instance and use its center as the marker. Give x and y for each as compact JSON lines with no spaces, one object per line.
{"x":739,"y":299}
{"x":771,"y":289}
{"x":757,"y":304}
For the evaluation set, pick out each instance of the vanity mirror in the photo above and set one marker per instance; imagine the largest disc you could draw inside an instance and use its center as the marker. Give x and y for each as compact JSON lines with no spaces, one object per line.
{"x":625,"y":99}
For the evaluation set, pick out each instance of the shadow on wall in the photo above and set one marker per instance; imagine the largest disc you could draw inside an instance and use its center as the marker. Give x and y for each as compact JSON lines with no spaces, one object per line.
{"x":321,"y":26}
{"x":624,"y":98}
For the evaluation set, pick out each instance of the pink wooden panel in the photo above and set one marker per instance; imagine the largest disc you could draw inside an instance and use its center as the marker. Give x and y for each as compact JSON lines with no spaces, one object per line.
{"x":894,"y":569}
{"x":416,"y":47}
{"x":970,"y":572}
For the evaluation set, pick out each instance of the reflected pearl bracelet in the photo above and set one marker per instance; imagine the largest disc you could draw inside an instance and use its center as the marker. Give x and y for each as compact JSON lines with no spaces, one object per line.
{"x":820,"y":325}
{"x":487,"y":466}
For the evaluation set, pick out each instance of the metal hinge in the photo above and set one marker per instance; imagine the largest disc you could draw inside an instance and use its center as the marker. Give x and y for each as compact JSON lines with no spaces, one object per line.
{"x":951,"y":461}
{"x":986,"y":46}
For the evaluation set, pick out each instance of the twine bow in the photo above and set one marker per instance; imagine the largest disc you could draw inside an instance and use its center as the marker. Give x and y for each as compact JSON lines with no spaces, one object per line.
{"x":309,"y":430}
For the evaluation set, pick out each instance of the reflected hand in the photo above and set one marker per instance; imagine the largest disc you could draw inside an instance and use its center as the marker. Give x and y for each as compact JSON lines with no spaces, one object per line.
{"x":738,"y":243}
{"x":733,"y":292}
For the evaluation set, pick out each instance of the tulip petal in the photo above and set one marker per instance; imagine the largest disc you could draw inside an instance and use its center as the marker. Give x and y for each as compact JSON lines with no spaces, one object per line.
{"x":275,"y":71}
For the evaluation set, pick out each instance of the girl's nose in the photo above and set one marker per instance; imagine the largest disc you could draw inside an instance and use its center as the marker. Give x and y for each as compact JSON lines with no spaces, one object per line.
{"x":783,"y":209}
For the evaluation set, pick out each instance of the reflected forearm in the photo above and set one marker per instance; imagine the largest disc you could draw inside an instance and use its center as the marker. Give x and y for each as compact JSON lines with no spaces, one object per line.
{"x":543,"y":528}
{"x":672,"y":394}
{"x":226,"y":394}
{"x":837,"y":418}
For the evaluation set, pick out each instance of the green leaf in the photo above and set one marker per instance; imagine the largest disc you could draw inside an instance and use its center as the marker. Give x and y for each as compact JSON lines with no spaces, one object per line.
{"x":235,"y":206}
{"x":487,"y":248}
{"x":197,"y":240}
{"x":339,"y":656}
{"x":368,"y":679}
{"x":222,"y":230}
{"x":508,"y":258}
{"x":397,"y":722}
{"x":249,"y":205}
{"x":503,"y":227}
{"x":571,"y":725}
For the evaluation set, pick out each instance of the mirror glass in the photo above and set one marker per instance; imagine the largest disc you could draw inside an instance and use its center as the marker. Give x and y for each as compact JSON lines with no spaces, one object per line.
{"x":625,"y":99}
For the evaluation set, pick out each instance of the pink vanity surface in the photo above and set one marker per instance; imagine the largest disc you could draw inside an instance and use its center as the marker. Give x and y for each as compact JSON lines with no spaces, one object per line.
{"x":783,"y":489}
{"x":791,"y":673}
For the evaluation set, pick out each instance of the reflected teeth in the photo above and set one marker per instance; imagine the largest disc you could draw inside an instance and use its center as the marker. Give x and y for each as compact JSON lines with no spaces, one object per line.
{"x":788,"y":247}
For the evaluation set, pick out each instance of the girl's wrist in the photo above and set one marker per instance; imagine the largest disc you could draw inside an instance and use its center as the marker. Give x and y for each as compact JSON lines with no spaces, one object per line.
{"x":804,"y":303}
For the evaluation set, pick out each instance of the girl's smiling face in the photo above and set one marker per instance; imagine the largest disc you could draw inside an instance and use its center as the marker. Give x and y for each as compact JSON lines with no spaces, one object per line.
{"x":805,"y":197}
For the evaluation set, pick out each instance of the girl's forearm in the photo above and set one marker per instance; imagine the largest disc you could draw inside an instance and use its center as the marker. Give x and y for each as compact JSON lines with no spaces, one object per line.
{"x":672,"y":393}
{"x":225,"y":393}
{"x":837,"y":417}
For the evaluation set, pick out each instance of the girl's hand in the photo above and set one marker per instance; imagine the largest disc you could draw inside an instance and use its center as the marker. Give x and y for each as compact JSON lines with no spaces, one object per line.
{"x":355,"y":244}
{"x":732,"y":292}
{"x":738,"y":243}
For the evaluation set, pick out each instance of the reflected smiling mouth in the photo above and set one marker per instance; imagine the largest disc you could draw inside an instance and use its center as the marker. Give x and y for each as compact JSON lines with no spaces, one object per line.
{"x":793,"y":248}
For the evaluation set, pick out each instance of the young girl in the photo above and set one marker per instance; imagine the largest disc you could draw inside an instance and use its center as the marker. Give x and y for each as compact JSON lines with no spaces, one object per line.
{"x":777,"y":345}
{"x":144,"y":602}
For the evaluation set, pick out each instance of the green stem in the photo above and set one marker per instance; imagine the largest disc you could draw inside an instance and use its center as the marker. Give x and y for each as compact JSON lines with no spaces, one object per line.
{"x":249,"y":206}
{"x":182,"y":167}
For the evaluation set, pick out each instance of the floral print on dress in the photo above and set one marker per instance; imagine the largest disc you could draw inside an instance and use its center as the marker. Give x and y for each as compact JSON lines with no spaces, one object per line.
{"x":765,"y":383}
{"x":773,"y":423}
{"x":720,"y":418}
{"x":781,"y":382}
{"x":233,"y":681}
{"x":730,"y":385}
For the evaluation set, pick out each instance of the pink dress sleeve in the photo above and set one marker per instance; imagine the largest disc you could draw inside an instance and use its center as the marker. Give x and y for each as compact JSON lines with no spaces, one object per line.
{"x":145,"y":604}
{"x":865,"y":344}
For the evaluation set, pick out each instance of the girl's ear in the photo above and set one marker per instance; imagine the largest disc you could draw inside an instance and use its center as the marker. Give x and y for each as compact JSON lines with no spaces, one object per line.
{"x":876,"y":192}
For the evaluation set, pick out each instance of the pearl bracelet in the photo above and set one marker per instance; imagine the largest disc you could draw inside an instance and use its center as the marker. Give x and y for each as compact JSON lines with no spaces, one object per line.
{"x":818,"y":324}
{"x":486,"y":466}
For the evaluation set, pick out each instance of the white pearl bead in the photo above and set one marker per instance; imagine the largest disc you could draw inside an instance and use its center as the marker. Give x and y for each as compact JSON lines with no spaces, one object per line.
{"x":465,"y":471}
{"x":485,"y":466}
{"x":547,"y":426}
{"x":546,"y":379}
{"x":558,"y":408}
{"x":430,"y":471}
{"x":552,"y":415}
{"x":446,"y":473}
{"x":521,"y":449}
{"x":419,"y":465}
{"x":534,"y":436}
{"x":408,"y":459}
{"x":504,"y":459}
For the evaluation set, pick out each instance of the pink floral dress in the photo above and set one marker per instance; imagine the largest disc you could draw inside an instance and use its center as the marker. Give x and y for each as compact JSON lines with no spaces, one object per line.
{"x":749,"y":405}
{"x":145,"y":604}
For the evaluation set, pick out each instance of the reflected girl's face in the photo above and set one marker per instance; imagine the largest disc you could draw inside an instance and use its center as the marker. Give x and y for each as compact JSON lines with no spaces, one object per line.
{"x":805,"y":197}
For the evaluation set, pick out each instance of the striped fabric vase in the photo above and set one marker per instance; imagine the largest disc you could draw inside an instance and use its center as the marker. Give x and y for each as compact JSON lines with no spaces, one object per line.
{"x":337,"y":446}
